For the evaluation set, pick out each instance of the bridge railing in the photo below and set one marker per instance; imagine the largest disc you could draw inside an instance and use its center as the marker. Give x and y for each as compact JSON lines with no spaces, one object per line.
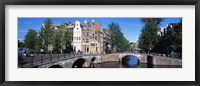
{"x":40,"y":59}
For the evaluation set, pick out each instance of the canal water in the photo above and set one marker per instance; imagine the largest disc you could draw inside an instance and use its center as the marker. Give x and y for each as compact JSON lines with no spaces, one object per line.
{"x":140,"y":65}
{"x":131,"y":62}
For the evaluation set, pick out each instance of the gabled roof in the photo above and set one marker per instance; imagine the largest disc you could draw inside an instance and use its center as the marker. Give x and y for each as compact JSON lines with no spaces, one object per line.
{"x":98,"y":26}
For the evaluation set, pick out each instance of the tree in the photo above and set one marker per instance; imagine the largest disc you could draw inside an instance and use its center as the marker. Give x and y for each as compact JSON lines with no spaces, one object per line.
{"x":20,"y":44}
{"x":149,"y":38}
{"x":66,"y":39}
{"x":62,"y":39}
{"x":57,"y":40}
{"x":117,"y":40}
{"x":31,"y":39}
{"x":46,"y":34}
{"x":172,"y":41}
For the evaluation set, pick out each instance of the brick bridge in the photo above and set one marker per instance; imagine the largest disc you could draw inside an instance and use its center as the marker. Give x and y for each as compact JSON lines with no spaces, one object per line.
{"x":86,"y":61}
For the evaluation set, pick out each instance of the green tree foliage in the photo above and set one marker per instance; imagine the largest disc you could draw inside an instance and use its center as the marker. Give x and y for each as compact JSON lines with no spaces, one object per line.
{"x":31,"y":39}
{"x":20,"y":44}
{"x":46,"y":34}
{"x":57,"y":40}
{"x":172,"y":40}
{"x":148,"y":38}
{"x":61,"y":38}
{"x":66,"y":39}
{"x":117,"y":40}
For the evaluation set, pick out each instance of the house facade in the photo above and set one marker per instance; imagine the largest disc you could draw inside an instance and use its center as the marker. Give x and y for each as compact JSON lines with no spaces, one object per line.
{"x":86,"y":38}
{"x":77,"y":37}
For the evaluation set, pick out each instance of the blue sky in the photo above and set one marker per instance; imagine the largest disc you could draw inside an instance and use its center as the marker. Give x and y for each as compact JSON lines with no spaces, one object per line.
{"x":131,"y":27}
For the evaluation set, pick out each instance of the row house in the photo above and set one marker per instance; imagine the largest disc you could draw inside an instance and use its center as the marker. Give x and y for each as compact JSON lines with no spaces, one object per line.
{"x":87,"y":38}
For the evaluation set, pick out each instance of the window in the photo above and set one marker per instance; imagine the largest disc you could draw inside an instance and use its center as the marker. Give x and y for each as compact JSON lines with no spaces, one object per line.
{"x":95,"y":37}
{"x":87,"y":41}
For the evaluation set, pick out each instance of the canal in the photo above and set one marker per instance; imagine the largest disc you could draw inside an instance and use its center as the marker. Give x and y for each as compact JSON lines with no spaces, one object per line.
{"x":130,"y":62}
{"x":140,"y":65}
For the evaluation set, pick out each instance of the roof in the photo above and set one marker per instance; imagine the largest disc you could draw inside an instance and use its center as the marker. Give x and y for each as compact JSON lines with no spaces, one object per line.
{"x":98,"y":26}
{"x":55,"y":27}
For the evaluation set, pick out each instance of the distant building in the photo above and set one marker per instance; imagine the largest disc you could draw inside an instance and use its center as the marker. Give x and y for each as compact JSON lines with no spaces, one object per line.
{"x":164,"y":31}
{"x":159,"y":32}
{"x":134,"y":47}
{"x":70,"y":28}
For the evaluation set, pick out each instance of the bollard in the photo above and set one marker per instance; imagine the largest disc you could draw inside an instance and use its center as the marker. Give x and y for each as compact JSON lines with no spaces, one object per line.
{"x":64,"y":55}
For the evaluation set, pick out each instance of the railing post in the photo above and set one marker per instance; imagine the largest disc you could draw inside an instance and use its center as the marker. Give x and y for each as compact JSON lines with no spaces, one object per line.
{"x":58,"y":56}
{"x":41,"y":59}
{"x":32,"y":61}
{"x":50,"y":57}
{"x":22,"y":62}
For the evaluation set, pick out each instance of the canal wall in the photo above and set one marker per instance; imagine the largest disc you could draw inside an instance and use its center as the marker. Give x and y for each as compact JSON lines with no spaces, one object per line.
{"x":144,"y":58}
{"x":160,"y":60}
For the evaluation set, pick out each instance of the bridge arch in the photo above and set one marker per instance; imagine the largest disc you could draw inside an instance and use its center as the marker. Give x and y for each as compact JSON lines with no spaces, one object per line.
{"x":125,"y":60}
{"x":56,"y":66}
{"x":78,"y":63}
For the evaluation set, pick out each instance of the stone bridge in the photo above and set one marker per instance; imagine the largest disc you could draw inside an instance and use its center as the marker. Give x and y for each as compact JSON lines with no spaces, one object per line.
{"x":86,"y":61}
